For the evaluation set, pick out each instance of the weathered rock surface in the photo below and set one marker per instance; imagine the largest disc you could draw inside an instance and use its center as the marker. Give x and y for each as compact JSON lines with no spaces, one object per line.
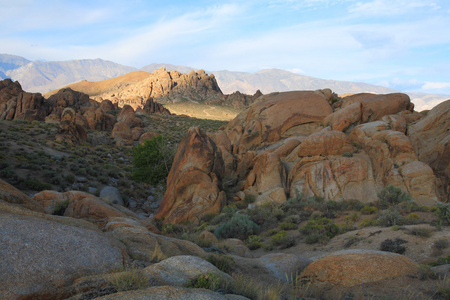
{"x":431,"y":140}
{"x":172,"y":293}
{"x":350,"y":268}
{"x":283,"y":266}
{"x":69,"y":131}
{"x":111,"y":195}
{"x":122,"y":134}
{"x":12,"y":195}
{"x":179,"y":270}
{"x":144,"y":245}
{"x":279,"y":115}
{"x":194,"y":182}
{"x":15,"y":104}
{"x":152,"y":107}
{"x":40,"y":256}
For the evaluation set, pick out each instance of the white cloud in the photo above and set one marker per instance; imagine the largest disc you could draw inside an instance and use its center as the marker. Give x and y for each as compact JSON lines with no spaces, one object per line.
{"x":389,"y":7}
{"x":436,"y":85}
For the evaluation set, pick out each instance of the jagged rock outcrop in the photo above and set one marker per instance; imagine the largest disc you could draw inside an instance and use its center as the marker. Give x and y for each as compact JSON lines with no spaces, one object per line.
{"x":278,"y":149}
{"x":194,"y":185}
{"x":350,"y":268}
{"x":16,"y":104}
{"x":152,"y":107}
{"x":430,"y":138}
{"x":69,"y":130}
{"x":67,"y":98}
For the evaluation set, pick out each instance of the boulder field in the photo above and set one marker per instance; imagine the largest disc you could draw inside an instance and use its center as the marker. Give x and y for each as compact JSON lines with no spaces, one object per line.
{"x":312,"y":143}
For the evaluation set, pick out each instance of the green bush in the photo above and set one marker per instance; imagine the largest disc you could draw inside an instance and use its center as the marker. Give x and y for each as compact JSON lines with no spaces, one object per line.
{"x":60,"y":207}
{"x":36,"y":185}
{"x":368,"y":222}
{"x":152,"y":160}
{"x":389,"y":217}
{"x":287,"y":226}
{"x":319,"y":230}
{"x":240,"y":226}
{"x":222,"y":262}
{"x":443,"y":213}
{"x":420,"y":231}
{"x":205,"y":281}
{"x":249,"y":198}
{"x":391,"y":196}
{"x":369,"y":210}
{"x":254,"y":242}
{"x":282,"y":239}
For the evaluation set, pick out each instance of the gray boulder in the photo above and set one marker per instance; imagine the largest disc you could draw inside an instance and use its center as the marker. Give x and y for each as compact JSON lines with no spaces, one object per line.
{"x":111,"y":195}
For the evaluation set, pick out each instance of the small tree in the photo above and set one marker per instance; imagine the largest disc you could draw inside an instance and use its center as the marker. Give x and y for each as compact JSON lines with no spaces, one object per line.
{"x":152,"y":160}
{"x":391,"y":196}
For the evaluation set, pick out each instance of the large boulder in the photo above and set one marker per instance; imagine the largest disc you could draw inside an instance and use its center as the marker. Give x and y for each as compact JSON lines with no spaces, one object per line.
{"x":171,"y":293}
{"x":194,"y":182}
{"x":43,"y":254}
{"x":279,"y":115}
{"x":146,"y":246}
{"x":152,"y":107}
{"x":111,"y":195}
{"x":69,"y":131}
{"x":431,"y":139}
{"x":80,"y":205}
{"x":179,"y":270}
{"x":128,"y":116}
{"x":122,"y":134}
{"x":12,"y":195}
{"x":65,"y":98}
{"x":351,"y":268}
{"x":323,"y":143}
{"x":374,"y":107}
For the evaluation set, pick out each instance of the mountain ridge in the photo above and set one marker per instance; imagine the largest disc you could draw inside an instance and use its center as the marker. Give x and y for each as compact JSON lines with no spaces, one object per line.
{"x":40,"y":76}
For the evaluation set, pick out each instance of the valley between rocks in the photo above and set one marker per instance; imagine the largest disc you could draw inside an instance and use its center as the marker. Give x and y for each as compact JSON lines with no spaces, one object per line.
{"x":293,"y":199}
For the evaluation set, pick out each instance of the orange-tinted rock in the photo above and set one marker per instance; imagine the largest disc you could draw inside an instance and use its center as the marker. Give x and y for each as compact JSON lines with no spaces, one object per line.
{"x":194,"y":182}
{"x":69,"y":131}
{"x":152,"y":107}
{"x":107,"y":105}
{"x":342,"y":119}
{"x":15,"y":104}
{"x":122,"y":134}
{"x":431,"y":139}
{"x":324,"y":142}
{"x":128,"y":116}
{"x":10,"y":194}
{"x":287,"y":147}
{"x":147,"y":136}
{"x":350,"y":269}
{"x":136,"y":133}
{"x":67,"y":98}
{"x":374,"y":107}
{"x":266,"y":178}
{"x":279,"y":115}
{"x":334,"y":178}
{"x":98,"y":119}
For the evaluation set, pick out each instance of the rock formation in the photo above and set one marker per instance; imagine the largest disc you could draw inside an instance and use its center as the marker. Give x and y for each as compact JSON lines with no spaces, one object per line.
{"x":15,"y":104}
{"x":194,"y":185}
{"x":305,"y":142}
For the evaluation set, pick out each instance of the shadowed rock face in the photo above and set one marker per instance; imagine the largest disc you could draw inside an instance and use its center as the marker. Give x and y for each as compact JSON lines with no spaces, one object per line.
{"x":15,"y":104}
{"x":194,"y":182}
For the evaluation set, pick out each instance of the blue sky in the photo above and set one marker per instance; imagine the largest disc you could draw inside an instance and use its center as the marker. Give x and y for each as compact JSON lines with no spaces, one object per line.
{"x":402,"y":44}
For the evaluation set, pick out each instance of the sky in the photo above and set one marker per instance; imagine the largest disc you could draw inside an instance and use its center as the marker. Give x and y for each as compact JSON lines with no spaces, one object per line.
{"x":401,"y":44}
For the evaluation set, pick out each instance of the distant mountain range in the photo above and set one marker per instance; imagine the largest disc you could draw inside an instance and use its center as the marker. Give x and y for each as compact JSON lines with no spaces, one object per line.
{"x":39,"y":76}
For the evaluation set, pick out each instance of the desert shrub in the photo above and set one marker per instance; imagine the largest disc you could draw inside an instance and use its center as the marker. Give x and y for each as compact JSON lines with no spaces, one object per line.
{"x":352,"y":204}
{"x":389,"y":217}
{"x":205,"y":281}
{"x":393,"y":246}
{"x":390,"y":196}
{"x":424,"y":272}
{"x":369,"y":210}
{"x":293,"y":219}
{"x":287,"y":226}
{"x":439,"y":245}
{"x":252,"y":288}
{"x":222,"y":262}
{"x":443,"y":213}
{"x":129,"y":280}
{"x":10,"y":175}
{"x":152,"y":160}
{"x":319,"y":230}
{"x":254,"y":242}
{"x":262,"y":216}
{"x":70,"y":178}
{"x":158,"y":255}
{"x":60,"y":207}
{"x":440,"y":261}
{"x":36,"y":185}
{"x":351,"y":240}
{"x":368,"y":222}
{"x":240,"y":226}
{"x":249,"y":198}
{"x":420,"y":231}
